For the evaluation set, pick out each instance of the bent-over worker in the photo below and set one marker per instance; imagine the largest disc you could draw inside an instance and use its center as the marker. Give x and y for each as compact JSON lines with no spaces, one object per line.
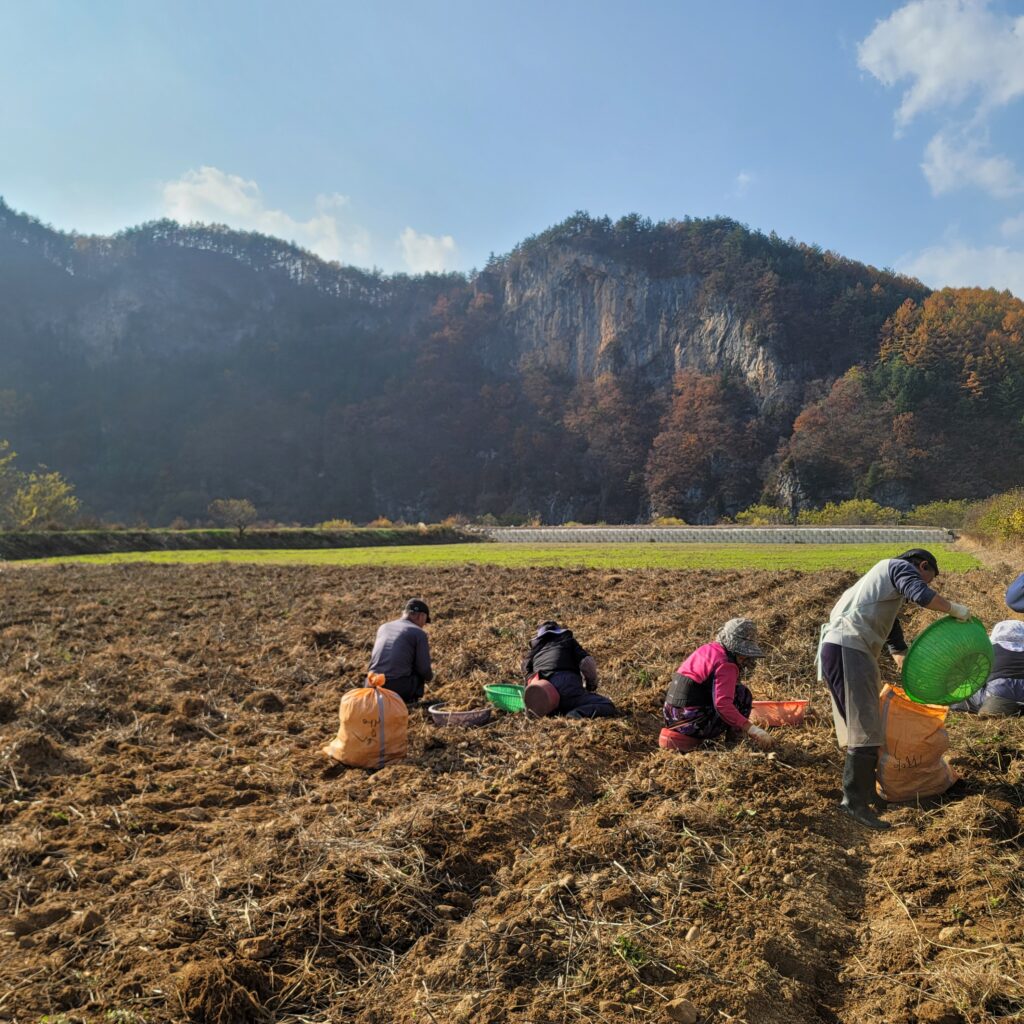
{"x":863,"y":620}
{"x":556,"y":655}
{"x":706,"y":697}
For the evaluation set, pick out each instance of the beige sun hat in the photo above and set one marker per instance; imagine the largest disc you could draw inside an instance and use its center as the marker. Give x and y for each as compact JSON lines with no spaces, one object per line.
{"x":739,"y":636}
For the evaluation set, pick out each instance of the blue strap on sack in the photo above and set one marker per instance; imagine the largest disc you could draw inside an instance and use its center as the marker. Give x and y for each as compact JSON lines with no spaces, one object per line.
{"x":380,"y":725}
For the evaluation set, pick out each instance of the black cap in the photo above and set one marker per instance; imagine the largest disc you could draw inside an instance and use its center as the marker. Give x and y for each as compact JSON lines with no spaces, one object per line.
{"x":414,"y":605}
{"x":920,"y":555}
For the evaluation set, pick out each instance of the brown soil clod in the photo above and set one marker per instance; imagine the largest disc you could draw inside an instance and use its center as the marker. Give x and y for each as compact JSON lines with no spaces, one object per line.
{"x":224,"y":992}
{"x":90,"y":921}
{"x":260,"y":947}
{"x":681,"y":1011}
{"x":34,"y":755}
{"x":265,"y":701}
{"x":325,"y":637}
{"x":192,"y":705}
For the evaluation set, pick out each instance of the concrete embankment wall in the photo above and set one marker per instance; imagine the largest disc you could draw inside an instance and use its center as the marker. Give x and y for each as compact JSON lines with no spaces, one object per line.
{"x":908,"y":536}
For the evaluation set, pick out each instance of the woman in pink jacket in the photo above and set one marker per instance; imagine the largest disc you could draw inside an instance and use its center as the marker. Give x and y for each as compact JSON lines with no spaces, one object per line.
{"x":706,"y":697}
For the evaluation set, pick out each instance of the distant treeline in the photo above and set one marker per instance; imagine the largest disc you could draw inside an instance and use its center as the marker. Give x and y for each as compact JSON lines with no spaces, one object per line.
{"x":168,"y":367}
{"x":15,"y":546}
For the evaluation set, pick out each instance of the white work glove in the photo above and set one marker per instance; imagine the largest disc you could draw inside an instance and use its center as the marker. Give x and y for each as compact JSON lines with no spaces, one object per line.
{"x":760,"y":736}
{"x":959,"y":611}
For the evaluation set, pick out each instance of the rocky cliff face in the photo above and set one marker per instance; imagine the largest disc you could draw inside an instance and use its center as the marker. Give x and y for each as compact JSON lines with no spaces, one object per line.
{"x":586,"y":315}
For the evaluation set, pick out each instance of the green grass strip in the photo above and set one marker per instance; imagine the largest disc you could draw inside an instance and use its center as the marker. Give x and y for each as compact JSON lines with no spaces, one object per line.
{"x":807,"y":557}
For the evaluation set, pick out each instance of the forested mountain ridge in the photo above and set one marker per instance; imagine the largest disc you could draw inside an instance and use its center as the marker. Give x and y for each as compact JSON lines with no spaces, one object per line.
{"x":598,"y":371}
{"x":216,"y":273}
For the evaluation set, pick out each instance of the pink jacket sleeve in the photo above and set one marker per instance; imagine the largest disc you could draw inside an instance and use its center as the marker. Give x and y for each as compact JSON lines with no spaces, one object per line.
{"x":726,"y":678}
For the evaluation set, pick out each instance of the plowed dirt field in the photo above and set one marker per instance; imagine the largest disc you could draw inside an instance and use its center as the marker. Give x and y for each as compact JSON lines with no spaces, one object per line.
{"x":174,"y":846}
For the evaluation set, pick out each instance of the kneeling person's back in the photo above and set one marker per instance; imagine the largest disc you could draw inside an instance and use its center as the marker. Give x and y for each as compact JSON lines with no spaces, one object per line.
{"x":401,"y":652}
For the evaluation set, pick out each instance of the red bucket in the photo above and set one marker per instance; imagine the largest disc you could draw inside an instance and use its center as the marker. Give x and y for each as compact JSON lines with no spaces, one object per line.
{"x":540,"y":697}
{"x":672,"y":739}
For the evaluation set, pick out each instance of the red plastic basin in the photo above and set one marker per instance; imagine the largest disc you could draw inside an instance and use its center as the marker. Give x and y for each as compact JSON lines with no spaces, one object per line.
{"x":672,"y":739}
{"x":778,"y":712}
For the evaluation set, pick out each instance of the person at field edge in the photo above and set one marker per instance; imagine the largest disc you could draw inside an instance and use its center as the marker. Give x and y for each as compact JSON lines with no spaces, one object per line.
{"x":1002,"y":696}
{"x":556,"y":656}
{"x":1003,"y":692}
{"x":863,"y":620}
{"x":401,"y":652}
{"x":706,"y":697}
{"x":1015,"y":594}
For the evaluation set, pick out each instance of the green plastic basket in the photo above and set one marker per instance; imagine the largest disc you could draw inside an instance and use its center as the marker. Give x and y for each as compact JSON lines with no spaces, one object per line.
{"x":506,"y":696}
{"x":948,"y":662}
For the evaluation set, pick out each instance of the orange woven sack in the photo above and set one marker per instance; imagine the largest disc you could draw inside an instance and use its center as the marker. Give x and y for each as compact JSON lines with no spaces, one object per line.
{"x":374,"y":725}
{"x":911,"y":764}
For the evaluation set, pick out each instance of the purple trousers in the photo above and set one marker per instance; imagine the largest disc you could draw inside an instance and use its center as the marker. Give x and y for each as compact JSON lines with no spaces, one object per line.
{"x":706,"y":723}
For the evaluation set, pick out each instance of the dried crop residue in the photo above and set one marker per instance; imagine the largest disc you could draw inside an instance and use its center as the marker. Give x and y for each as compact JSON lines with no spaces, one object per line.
{"x":175,"y":848}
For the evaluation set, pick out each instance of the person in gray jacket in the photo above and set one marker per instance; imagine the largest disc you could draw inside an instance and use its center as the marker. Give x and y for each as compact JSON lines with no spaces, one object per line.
{"x":401,"y":652}
{"x":862,"y":621}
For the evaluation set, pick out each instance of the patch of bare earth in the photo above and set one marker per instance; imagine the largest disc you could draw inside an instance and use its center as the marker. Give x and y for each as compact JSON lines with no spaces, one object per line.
{"x":174,"y":847}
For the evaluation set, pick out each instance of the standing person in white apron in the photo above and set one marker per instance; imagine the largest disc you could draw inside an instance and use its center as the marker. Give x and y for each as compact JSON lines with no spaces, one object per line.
{"x":864,"y":619}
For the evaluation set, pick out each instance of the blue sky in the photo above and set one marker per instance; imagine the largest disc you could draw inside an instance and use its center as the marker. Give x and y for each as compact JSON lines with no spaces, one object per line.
{"x":414,"y":136}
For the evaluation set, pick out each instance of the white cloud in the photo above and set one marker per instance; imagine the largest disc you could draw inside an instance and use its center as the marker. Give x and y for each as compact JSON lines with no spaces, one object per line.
{"x":424,"y":253}
{"x":950,"y":51}
{"x":743,"y":182}
{"x":1013,"y":226}
{"x":955,"y":160}
{"x":963,"y":60}
{"x":210,"y":195}
{"x":958,"y":264}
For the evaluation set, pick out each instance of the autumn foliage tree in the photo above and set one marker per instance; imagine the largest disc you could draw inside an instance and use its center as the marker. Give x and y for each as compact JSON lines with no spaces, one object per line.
{"x":698,"y":466}
{"x":939,"y":415}
{"x":616,"y":420}
{"x":977,"y":333}
{"x":835,"y":440}
{"x":31,"y":501}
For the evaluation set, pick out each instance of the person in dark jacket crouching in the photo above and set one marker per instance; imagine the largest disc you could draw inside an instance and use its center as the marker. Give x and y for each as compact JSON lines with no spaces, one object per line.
{"x":557,"y":657}
{"x":401,"y":652}
{"x":1002,"y":695}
